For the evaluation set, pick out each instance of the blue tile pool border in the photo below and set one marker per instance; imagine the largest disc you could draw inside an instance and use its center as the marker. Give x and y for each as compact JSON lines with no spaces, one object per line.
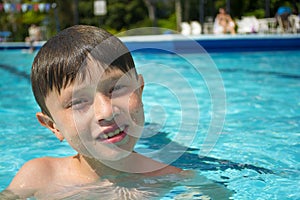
{"x":210,"y":43}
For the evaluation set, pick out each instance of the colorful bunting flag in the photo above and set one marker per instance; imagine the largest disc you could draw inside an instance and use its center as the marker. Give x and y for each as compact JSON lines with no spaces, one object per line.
{"x":24,"y":7}
{"x":47,"y":7}
{"x":18,"y":7}
{"x":7,"y":7}
{"x":41,"y":7}
{"x":29,"y":7}
{"x":36,"y":7}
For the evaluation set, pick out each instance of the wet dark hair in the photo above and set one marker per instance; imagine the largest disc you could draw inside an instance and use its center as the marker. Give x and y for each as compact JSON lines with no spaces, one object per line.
{"x":62,"y":58}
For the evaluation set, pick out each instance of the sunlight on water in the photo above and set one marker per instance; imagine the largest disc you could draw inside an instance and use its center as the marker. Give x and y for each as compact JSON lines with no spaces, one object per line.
{"x":184,"y":187}
{"x":256,"y":155}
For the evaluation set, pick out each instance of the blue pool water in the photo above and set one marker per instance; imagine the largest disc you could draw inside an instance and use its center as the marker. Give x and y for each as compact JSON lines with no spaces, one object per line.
{"x":256,"y":156}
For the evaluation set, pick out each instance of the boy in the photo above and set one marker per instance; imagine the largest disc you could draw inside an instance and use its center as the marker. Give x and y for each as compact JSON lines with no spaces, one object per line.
{"x":86,"y":85}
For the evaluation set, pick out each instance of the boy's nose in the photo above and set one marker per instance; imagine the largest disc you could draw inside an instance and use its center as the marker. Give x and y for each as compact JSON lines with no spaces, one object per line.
{"x":105,"y":111}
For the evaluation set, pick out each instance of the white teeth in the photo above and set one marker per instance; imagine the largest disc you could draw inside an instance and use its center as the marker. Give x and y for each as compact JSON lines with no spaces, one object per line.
{"x":111,"y":134}
{"x":117,"y":132}
{"x":104,"y":136}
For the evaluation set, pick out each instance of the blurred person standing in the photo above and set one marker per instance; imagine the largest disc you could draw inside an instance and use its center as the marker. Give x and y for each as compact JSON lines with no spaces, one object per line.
{"x":223,"y":23}
{"x":282,"y":17}
{"x":34,"y":36}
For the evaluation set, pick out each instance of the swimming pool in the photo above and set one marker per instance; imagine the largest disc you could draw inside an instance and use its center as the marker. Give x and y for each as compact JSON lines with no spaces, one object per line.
{"x":256,"y":156}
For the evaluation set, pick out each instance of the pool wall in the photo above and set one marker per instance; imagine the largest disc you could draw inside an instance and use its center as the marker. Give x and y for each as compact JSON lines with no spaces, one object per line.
{"x":211,"y":43}
{"x":214,"y":43}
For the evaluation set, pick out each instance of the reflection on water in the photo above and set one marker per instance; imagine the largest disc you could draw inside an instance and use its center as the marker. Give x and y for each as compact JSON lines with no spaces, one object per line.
{"x":187,"y":185}
{"x":181,"y":186}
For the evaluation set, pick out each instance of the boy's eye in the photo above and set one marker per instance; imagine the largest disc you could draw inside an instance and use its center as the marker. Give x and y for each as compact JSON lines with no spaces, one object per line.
{"x":117,"y":89}
{"x":78,"y":104}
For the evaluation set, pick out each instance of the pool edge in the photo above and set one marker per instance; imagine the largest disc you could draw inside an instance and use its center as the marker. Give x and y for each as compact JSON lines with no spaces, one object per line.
{"x":210,"y":43}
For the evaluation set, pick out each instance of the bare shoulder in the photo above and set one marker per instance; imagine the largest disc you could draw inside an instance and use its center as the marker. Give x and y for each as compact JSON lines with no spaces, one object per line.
{"x":168,"y":169}
{"x":159,"y":169}
{"x":33,"y":176}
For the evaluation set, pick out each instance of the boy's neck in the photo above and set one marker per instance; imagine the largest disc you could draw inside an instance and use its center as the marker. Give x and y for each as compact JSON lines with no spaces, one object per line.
{"x":98,"y":168}
{"x":134,"y":163}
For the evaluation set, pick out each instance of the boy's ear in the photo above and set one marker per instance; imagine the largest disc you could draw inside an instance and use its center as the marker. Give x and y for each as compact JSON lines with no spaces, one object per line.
{"x":47,"y":122}
{"x":141,"y":83}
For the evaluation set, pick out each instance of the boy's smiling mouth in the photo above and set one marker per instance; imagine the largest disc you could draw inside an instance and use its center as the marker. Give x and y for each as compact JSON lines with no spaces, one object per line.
{"x":114,"y":135}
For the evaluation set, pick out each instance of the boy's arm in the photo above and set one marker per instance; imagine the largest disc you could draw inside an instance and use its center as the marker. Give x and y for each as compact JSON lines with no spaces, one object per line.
{"x":33,"y":176}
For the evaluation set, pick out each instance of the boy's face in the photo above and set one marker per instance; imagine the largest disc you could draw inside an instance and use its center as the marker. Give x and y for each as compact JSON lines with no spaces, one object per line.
{"x":101,"y":116}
